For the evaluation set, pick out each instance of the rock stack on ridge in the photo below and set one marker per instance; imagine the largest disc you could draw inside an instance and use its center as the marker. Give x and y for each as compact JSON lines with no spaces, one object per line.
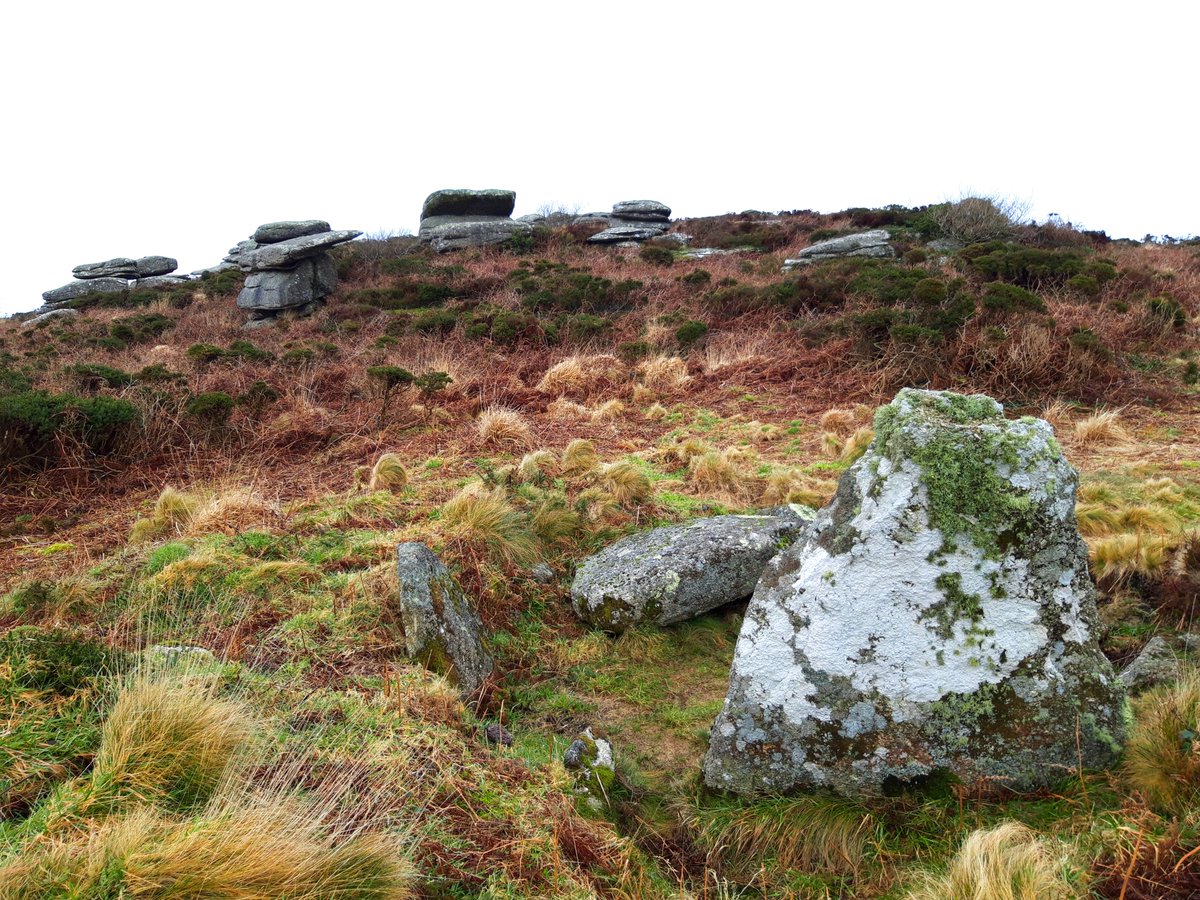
{"x":634,"y":220}
{"x":289,"y":265}
{"x":114,"y":276}
{"x":456,"y":218}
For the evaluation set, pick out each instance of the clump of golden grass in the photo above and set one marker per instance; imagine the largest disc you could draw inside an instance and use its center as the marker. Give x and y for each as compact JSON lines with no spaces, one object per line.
{"x":579,"y":457}
{"x":838,"y":421}
{"x":607,"y":411}
{"x":388,"y":474}
{"x":579,"y":375}
{"x":268,"y":848}
{"x":487,"y":518}
{"x":716,"y":471}
{"x":597,"y":504}
{"x":856,"y":445}
{"x":1100,"y":430}
{"x":1162,"y":757}
{"x":424,"y":695}
{"x":760,"y":433}
{"x":656,"y":411}
{"x":686,"y":450}
{"x":831,"y":445}
{"x":535,"y":465}
{"x":809,"y":833}
{"x":563,"y":654}
{"x":170,"y":739}
{"x":642,"y":394}
{"x":554,"y":523}
{"x":626,"y":483}
{"x":793,"y":486}
{"x":1120,"y":556}
{"x":231,"y":512}
{"x":664,"y":373}
{"x":1007,"y":862}
{"x":562,"y":408}
{"x":500,"y":426}
{"x":172,"y":510}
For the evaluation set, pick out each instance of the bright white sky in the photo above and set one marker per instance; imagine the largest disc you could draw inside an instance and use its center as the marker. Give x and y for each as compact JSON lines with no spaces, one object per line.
{"x":138,"y":128}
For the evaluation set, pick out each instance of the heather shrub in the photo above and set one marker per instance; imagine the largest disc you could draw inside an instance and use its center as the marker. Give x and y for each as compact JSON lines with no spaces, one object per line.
{"x":657,"y":256}
{"x":35,"y":424}
{"x":690,"y":332}
{"x":211,"y":408}
{"x":1167,"y":309}
{"x":1008,"y":298}
{"x":93,"y":376}
{"x":1034,"y":268}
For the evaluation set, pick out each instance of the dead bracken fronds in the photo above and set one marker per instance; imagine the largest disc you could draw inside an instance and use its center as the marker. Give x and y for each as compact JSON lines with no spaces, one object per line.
{"x":664,"y":373}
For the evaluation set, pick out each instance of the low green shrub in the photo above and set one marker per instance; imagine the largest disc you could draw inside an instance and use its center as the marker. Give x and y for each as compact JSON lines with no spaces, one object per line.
{"x":212,"y":408}
{"x":697,"y":278}
{"x":1167,"y":309}
{"x":690,"y":332}
{"x":93,"y":376}
{"x":1035,"y":268}
{"x":656,"y":256}
{"x":1008,"y":298}
{"x":34,"y":425}
{"x":139,"y":329}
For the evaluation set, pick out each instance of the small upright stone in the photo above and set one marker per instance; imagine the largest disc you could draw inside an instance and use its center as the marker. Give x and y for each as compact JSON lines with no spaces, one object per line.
{"x":1156,"y":664}
{"x":441,"y":627}
{"x":939,"y":619}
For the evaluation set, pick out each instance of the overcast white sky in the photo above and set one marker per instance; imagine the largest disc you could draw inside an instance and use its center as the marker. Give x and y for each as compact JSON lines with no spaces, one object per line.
{"x":161,"y":128}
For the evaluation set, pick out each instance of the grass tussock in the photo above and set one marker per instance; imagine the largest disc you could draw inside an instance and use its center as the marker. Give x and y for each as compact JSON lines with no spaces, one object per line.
{"x":627,"y":484}
{"x":1007,"y":862}
{"x":814,"y":833}
{"x":857,"y":443}
{"x":608,"y":411}
{"x":502,"y":427}
{"x":1162,"y":757}
{"x":388,"y":474}
{"x":718,"y":471}
{"x":1103,"y":429}
{"x":838,"y":421}
{"x":537,"y":465}
{"x":579,"y":457}
{"x":487,"y":519}
{"x":170,"y":739}
{"x":581,"y":375}
{"x":655,"y":411}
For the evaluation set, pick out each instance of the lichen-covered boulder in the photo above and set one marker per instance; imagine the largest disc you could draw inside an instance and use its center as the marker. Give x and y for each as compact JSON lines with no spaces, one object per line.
{"x":82,"y":288}
{"x":287,"y":253}
{"x":444,"y":233}
{"x":441,"y":627}
{"x":939,"y":619}
{"x":677,"y":572}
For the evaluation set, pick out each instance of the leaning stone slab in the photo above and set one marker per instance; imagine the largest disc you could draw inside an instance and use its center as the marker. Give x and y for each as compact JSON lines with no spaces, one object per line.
{"x":938,"y":619}
{"x":76,"y":289}
{"x":121,"y":267}
{"x":274,"y":232}
{"x":441,"y":627}
{"x":869,"y":243}
{"x":466,"y":202}
{"x":622,"y":233}
{"x":678,"y":572}
{"x":285,"y":254}
{"x":52,"y":315}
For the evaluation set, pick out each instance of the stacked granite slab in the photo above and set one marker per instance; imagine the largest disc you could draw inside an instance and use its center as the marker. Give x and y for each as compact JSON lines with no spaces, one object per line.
{"x":289,"y":266}
{"x":632,"y":220}
{"x":458,"y":218}
{"x":114,"y":276}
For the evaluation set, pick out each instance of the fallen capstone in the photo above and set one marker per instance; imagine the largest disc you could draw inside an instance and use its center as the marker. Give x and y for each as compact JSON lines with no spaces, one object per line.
{"x":678,"y":572}
{"x":938,"y":619}
{"x":872,"y":244}
{"x":622,"y":233}
{"x":121,"y":266}
{"x":76,"y":289}
{"x":442,"y":630}
{"x":1156,"y":664}
{"x":274,"y":232}
{"x":467,"y":202}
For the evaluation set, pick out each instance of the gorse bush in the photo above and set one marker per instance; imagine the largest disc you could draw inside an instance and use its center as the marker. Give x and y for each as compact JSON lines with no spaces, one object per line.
{"x":1035,"y":268}
{"x":212,"y":408}
{"x":36,"y":426}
